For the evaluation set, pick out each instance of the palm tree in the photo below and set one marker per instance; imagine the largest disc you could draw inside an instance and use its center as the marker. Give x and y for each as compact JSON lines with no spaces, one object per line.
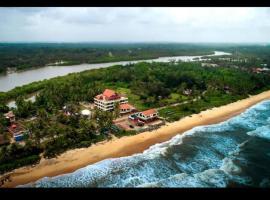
{"x":116,"y":112}
{"x":35,"y":133}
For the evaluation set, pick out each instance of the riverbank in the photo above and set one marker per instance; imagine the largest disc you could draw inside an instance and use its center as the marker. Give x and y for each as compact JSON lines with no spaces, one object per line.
{"x":23,"y":78}
{"x":125,"y":146}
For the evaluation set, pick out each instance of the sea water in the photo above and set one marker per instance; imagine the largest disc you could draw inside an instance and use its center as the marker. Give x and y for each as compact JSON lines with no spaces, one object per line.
{"x":234,"y":153}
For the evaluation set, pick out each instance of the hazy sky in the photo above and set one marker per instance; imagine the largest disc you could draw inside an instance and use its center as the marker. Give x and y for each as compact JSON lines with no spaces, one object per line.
{"x":135,"y":24}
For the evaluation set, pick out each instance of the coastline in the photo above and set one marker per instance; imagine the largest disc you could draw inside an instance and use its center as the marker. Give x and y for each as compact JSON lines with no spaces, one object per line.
{"x":128,"y":145}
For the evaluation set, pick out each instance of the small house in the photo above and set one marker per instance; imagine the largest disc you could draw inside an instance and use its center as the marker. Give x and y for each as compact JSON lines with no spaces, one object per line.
{"x":17,"y":131}
{"x":187,"y":92}
{"x":126,"y":108}
{"x":10,"y":116}
{"x":86,"y":113}
{"x":226,"y":89}
{"x":148,"y":115}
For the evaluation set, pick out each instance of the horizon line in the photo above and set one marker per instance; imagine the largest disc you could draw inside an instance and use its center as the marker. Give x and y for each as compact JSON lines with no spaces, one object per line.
{"x":135,"y":42}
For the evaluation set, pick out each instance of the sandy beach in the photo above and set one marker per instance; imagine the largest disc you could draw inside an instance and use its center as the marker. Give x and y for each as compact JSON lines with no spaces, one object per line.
{"x":128,"y":145}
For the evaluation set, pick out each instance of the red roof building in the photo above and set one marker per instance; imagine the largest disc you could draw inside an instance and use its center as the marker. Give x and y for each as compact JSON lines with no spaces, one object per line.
{"x":17,"y":130}
{"x":106,"y":101}
{"x":126,"y":108}
{"x":148,"y":115}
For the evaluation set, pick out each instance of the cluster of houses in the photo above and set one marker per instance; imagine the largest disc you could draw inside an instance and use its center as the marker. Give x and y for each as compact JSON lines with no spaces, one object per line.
{"x":16,"y":129}
{"x":108,"y":100}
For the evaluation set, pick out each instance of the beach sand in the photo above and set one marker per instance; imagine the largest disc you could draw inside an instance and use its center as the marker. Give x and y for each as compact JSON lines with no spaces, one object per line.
{"x":128,"y":145}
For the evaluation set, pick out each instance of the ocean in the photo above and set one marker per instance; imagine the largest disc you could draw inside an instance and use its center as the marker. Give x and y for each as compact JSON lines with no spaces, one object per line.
{"x":234,"y":153}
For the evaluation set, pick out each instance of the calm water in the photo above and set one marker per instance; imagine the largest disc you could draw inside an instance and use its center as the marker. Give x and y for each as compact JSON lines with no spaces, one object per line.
{"x":234,"y":153}
{"x":10,"y":81}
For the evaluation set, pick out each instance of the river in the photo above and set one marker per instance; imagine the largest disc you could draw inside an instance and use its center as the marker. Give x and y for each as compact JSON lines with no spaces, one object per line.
{"x":12,"y":80}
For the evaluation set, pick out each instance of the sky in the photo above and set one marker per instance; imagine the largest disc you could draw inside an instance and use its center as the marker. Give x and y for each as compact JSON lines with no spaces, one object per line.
{"x":138,"y":24}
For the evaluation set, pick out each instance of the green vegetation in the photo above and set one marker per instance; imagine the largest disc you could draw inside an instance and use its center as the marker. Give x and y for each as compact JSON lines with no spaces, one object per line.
{"x":28,"y":55}
{"x":208,"y":101}
{"x":147,"y":85}
{"x":15,"y":155}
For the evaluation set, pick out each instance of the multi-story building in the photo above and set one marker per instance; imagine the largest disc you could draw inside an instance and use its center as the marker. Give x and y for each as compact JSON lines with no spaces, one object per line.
{"x":107,"y":100}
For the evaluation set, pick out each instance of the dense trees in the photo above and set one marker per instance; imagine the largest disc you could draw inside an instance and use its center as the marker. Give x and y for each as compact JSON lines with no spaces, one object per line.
{"x":15,"y":155}
{"x":149,"y":85}
{"x":25,"y":56}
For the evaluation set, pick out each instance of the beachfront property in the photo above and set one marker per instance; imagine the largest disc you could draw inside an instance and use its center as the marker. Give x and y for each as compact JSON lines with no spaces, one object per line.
{"x":17,"y":131}
{"x":126,"y":108}
{"x":107,"y":100}
{"x":144,"y":116}
{"x":148,"y":115}
{"x":10,"y":116}
{"x":140,"y":121}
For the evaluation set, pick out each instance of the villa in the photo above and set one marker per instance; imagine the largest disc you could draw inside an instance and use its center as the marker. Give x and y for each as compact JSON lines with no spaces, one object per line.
{"x":126,"y":108}
{"x":148,"y":115}
{"x":107,"y":100}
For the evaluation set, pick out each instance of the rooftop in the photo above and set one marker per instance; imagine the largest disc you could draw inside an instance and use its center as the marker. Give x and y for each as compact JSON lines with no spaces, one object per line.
{"x":109,"y":93}
{"x":126,"y":106}
{"x":16,"y":128}
{"x":10,"y":114}
{"x":85,"y":112}
{"x":149,"y":112}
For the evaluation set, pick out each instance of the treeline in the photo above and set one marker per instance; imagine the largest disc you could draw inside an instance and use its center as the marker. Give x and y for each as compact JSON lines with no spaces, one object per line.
{"x":15,"y":155}
{"x":28,"y":55}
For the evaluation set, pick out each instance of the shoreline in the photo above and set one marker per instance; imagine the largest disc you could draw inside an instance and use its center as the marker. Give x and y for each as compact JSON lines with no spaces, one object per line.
{"x":72,"y":160}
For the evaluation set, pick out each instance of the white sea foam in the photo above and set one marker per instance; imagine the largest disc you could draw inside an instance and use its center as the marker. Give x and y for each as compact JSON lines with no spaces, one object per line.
{"x":229,"y":167}
{"x":263,"y":132}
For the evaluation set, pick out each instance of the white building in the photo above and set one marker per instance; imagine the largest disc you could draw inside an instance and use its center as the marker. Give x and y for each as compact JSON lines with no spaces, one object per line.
{"x":86,"y":113}
{"x":107,"y":100}
{"x":148,"y":115}
{"x":126,"y":108}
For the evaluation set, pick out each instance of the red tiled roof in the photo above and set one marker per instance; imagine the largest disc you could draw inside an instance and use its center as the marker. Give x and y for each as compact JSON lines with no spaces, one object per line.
{"x":15,"y":128}
{"x":126,"y":106}
{"x":149,"y":112}
{"x":109,"y":93}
